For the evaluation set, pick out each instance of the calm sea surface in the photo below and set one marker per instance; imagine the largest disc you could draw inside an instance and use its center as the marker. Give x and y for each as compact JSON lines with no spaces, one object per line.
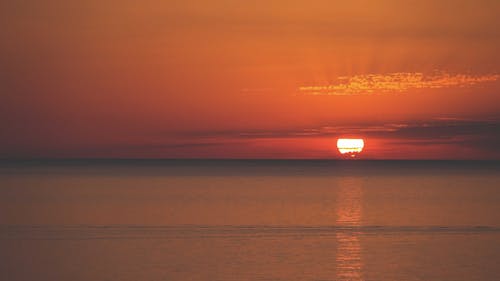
{"x":249,"y":220}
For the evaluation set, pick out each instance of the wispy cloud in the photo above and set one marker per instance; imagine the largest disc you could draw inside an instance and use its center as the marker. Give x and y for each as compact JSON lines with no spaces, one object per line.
{"x":438,"y":127}
{"x":396,"y":82}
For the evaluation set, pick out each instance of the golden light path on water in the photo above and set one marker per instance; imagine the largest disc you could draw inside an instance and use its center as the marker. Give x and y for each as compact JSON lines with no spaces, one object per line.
{"x":349,"y":263}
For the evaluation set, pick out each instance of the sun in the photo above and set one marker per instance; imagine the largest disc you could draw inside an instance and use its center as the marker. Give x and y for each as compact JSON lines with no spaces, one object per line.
{"x":350,"y":147}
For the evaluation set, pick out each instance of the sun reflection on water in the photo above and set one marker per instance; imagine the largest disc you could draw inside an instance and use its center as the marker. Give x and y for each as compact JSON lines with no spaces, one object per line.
{"x":349,"y":262}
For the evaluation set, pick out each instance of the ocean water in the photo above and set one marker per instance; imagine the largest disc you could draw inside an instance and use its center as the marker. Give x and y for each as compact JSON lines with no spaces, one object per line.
{"x":249,"y":220}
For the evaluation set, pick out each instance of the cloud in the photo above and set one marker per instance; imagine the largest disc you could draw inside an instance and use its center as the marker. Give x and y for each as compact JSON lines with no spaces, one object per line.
{"x":440,"y":137}
{"x":438,"y":127}
{"x":396,"y":83}
{"x":480,"y":134}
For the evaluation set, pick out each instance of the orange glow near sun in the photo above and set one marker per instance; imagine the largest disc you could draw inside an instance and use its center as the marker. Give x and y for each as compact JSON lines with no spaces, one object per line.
{"x":350,"y":147}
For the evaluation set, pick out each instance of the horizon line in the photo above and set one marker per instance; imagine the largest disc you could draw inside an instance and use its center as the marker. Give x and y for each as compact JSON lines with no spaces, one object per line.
{"x":231,"y":159}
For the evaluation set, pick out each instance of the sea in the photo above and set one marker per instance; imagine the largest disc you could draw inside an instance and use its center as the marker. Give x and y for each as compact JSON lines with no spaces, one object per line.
{"x":209,"y":220}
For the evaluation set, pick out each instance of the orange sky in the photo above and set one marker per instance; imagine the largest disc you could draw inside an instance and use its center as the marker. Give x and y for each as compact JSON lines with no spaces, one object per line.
{"x":254,"y":79}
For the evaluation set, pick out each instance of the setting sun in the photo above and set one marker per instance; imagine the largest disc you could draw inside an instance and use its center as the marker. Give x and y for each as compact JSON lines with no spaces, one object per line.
{"x":350,"y":147}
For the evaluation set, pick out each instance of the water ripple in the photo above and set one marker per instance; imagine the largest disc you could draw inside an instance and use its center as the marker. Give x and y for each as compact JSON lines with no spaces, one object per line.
{"x":75,"y":232}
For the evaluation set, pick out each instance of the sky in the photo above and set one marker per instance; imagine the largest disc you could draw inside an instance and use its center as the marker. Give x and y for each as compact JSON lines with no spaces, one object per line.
{"x":249,"y":79}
